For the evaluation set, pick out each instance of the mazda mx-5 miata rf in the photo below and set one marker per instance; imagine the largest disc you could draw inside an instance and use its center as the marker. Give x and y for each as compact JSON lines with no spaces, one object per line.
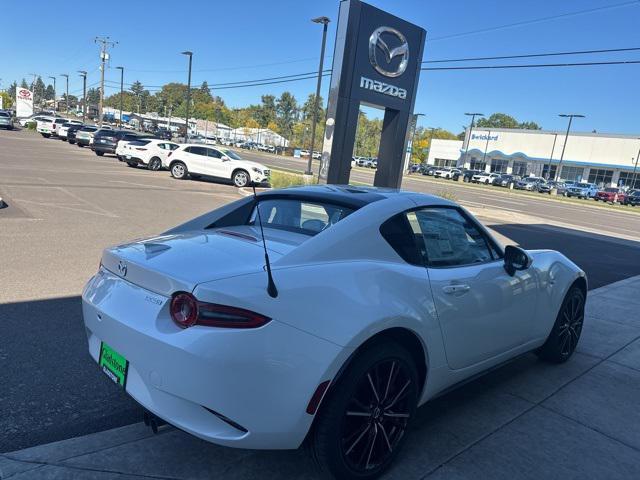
{"x":322,"y":316}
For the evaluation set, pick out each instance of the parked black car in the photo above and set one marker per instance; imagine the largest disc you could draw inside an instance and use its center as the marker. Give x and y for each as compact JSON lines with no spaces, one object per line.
{"x":106,"y":141}
{"x":428,"y":170}
{"x":467,"y":174}
{"x":505,"y":179}
{"x":71,"y":133}
{"x":163,"y":134}
{"x":632,"y":198}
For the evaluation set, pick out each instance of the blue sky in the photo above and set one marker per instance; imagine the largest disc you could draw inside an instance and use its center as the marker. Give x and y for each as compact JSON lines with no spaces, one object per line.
{"x":250,"y":39}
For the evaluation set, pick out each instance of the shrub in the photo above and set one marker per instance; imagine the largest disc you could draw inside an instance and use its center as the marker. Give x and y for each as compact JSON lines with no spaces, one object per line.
{"x":280,"y":179}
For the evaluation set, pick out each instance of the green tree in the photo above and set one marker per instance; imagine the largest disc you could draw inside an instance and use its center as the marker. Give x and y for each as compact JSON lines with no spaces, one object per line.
{"x":7,"y":100}
{"x":49,"y":93}
{"x":308,"y":107}
{"x":93,"y":97}
{"x":24,"y":84}
{"x":502,"y":120}
{"x":12,"y":90}
{"x":287,"y":110}
{"x":267,"y":112}
{"x":38,"y":91}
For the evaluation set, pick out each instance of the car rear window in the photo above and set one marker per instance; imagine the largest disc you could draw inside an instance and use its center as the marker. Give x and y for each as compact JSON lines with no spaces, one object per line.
{"x":299,"y":216}
{"x":4,"y":114}
{"x":139,"y":143}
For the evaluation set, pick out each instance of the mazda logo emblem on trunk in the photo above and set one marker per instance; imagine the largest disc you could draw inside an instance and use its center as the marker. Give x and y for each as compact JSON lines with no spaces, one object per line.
{"x":122,"y":268}
{"x":376,"y":42}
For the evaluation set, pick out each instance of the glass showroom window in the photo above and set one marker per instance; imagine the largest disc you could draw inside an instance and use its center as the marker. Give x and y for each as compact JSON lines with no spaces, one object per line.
{"x":520,"y":168}
{"x":477,"y":164}
{"x":499,"y":165}
{"x":444,"y":162}
{"x":572,"y":174}
{"x":600,"y":176}
{"x":627,"y":180}
{"x":549,"y":175}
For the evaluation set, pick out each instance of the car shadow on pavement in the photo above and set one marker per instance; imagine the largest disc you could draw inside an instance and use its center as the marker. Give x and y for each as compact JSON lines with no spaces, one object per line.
{"x":50,"y":389}
{"x":605,"y":259}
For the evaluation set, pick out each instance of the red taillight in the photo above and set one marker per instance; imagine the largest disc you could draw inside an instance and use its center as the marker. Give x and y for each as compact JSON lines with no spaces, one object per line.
{"x":184,"y":309}
{"x":316,"y":398}
{"x":187,"y":311}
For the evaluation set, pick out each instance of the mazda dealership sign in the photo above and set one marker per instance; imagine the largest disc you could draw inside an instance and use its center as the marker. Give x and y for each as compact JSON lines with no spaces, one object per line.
{"x":376,"y":62}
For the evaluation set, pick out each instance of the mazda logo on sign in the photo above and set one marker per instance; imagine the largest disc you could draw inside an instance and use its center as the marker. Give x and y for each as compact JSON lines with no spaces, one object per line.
{"x":377,"y":43}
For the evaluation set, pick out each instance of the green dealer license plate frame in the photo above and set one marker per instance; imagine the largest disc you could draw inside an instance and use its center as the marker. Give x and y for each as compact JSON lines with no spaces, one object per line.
{"x":113,"y":364}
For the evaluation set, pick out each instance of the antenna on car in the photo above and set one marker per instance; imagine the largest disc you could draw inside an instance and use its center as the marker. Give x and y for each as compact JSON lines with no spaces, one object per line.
{"x":271,"y":286}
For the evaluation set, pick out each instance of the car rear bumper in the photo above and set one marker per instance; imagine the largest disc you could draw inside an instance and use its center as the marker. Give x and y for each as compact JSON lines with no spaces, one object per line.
{"x":261,"y":379}
{"x":103,"y":148}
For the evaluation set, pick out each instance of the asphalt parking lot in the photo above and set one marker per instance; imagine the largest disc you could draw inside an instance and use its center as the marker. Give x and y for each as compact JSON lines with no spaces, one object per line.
{"x":66,"y":204}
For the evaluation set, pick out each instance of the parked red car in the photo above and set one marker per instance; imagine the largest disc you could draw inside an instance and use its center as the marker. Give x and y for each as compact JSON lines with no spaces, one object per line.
{"x":611,"y":194}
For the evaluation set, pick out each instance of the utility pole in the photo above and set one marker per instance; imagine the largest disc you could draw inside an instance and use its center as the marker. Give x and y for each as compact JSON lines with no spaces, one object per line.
{"x":54,"y":93}
{"x":104,"y":56}
{"x":121,"y":91}
{"x":83,"y":74}
{"x":466,"y":150}
{"x":570,"y":116}
{"x":190,"y":55}
{"x":66,"y":76}
{"x":555,"y":137}
{"x":35,"y":75}
{"x":413,"y":138}
{"x":324,"y":21}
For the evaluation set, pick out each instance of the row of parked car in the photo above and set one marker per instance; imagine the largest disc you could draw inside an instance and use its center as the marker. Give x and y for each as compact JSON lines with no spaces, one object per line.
{"x":140,"y":149}
{"x":368,"y":162}
{"x":583,"y":190}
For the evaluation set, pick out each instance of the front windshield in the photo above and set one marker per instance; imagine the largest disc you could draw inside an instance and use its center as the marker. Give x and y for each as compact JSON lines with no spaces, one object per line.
{"x":299,"y":216}
{"x":232,"y":155}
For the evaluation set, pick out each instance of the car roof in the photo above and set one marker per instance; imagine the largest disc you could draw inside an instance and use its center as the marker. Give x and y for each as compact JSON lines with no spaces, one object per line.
{"x":349,"y":195}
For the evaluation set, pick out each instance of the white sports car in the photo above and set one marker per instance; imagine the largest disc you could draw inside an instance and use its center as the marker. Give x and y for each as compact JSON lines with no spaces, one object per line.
{"x":360,"y":305}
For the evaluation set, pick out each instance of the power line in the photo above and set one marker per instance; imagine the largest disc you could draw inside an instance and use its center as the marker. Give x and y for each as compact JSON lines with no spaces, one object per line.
{"x":535,"y":20}
{"x":535,"y":65}
{"x":530,"y":55}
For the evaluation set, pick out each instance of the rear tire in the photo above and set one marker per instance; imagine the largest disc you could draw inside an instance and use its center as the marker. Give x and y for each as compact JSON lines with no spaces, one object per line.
{"x":565,"y":334}
{"x":363,"y":420}
{"x":155,"y":164}
{"x":179,"y":171}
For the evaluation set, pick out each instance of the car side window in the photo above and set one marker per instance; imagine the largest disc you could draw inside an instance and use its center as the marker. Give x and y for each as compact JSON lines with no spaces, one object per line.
{"x":197,"y":150}
{"x":214,"y":153}
{"x":449,"y":239}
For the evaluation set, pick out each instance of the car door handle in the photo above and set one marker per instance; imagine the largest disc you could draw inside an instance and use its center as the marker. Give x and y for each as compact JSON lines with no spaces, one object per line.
{"x":453,"y":289}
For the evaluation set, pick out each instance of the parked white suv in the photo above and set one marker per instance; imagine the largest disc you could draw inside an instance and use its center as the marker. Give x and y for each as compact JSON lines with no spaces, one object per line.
{"x":200,"y":160}
{"x":447,"y":173}
{"x":487,"y":178}
{"x":64,"y":128}
{"x":48,"y":126}
{"x":151,"y":153}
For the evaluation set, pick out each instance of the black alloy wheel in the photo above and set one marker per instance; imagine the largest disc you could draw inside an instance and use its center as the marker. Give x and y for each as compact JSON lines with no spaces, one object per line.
{"x":363,"y":421}
{"x":377,"y":416}
{"x":564,"y":336}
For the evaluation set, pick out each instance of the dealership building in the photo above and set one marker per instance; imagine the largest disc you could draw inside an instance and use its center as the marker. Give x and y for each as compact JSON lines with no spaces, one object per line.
{"x":604,"y":159}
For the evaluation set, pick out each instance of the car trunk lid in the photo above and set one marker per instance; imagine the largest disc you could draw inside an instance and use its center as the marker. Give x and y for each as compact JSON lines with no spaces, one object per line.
{"x":171,"y":263}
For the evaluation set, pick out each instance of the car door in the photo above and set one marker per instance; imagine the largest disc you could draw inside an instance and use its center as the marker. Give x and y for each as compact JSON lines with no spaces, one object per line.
{"x":215,"y":164}
{"x":196,"y":159}
{"x":164,"y":151}
{"x":483,"y":311}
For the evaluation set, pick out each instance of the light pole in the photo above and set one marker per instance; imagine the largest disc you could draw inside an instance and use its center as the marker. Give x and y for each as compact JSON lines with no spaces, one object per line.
{"x":570,"y":116}
{"x":66,"y":76}
{"x":413,"y":138}
{"x":553,"y":147}
{"x":324,"y":21}
{"x":635,"y":167}
{"x":83,"y":74}
{"x":54,"y":93}
{"x":190,"y":55}
{"x":473,"y":117}
{"x":121,"y":91}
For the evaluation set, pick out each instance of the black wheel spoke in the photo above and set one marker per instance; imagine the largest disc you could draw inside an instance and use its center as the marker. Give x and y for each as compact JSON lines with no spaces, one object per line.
{"x":377,"y":416}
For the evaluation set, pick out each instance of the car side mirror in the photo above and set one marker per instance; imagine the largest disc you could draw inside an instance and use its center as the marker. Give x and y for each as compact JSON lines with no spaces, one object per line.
{"x":515,"y":259}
